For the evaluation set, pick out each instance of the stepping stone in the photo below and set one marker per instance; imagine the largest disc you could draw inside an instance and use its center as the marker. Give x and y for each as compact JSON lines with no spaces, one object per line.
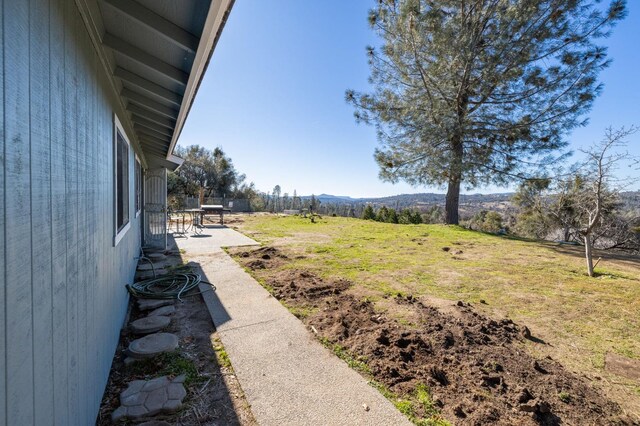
{"x":148,"y":304}
{"x":165,"y":310}
{"x":152,"y":324}
{"x":152,"y":345}
{"x":128,"y":361}
{"x":144,"y":398}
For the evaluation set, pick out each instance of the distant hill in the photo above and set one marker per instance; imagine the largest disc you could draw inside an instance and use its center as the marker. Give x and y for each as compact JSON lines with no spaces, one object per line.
{"x":410,"y":199}
{"x":326,"y":198}
{"x":469,"y":203}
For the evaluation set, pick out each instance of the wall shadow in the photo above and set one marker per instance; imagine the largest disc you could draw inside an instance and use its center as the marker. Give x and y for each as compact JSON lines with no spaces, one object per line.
{"x":211,"y":397}
{"x":219,"y":314}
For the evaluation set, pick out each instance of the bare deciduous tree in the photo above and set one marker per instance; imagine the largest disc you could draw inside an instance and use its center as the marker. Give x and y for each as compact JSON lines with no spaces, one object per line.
{"x":600,"y":187}
{"x":584,"y":204}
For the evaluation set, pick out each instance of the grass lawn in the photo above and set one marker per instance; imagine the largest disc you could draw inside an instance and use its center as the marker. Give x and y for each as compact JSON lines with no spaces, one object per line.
{"x":540,"y":285}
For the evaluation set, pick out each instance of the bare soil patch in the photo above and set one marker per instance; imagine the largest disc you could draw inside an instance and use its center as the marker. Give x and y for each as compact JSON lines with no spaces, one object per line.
{"x":623,"y":366}
{"x":214,"y":396}
{"x":477,"y":368}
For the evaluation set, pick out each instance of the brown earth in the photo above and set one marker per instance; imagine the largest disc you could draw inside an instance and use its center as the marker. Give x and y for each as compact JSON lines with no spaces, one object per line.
{"x":622,"y":366}
{"x":477,"y":368}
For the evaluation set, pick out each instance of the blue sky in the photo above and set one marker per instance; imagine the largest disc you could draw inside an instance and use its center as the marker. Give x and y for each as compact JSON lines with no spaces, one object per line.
{"x":273,"y":97}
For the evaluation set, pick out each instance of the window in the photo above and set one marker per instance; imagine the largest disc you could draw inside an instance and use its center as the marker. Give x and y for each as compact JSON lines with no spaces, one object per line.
{"x":138,"y":178}
{"x":121,"y":196}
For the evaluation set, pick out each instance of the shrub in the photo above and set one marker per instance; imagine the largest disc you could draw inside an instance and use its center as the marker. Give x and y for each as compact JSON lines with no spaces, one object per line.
{"x":486,"y":221}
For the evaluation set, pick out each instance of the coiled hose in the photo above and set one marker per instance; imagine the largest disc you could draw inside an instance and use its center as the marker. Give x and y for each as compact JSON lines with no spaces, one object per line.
{"x":170,"y":286}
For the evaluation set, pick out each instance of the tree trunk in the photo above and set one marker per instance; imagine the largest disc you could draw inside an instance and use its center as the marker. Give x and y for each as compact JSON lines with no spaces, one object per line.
{"x":455,"y":177}
{"x":588,"y":254}
{"x":452,"y":201}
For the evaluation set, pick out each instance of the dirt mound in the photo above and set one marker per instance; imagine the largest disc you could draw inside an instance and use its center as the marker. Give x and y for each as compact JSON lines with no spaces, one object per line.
{"x":257,"y":259}
{"x":304,"y":288}
{"x":476,"y":368}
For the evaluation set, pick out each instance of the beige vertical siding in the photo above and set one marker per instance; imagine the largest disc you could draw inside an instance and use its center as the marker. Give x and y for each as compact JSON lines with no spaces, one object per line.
{"x":62,"y":298}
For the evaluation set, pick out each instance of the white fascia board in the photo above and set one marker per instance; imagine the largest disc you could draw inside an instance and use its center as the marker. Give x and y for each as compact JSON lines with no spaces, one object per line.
{"x":176,"y":160}
{"x":216,"y":18}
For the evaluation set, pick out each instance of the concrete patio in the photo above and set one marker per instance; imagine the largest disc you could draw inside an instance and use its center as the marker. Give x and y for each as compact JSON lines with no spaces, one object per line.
{"x":288,"y":377}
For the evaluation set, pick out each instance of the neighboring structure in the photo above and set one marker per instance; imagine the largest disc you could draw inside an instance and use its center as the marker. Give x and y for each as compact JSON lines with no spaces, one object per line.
{"x":94,"y":96}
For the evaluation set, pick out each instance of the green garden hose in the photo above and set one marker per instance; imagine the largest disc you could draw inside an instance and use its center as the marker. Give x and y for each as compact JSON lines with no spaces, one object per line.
{"x":170,"y":286}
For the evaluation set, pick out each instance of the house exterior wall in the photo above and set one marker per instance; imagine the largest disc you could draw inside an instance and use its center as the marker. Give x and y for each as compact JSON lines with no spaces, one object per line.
{"x":62,"y":299}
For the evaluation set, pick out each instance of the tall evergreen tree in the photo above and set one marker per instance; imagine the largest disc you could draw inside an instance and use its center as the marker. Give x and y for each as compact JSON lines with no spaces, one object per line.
{"x":477,"y":92}
{"x":314,"y":204}
{"x":416,"y":218}
{"x":368,"y":213}
{"x":392,"y":216}
{"x":382,"y":214}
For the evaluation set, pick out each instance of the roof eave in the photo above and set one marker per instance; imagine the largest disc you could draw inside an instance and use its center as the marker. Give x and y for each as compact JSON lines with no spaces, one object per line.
{"x":214,"y":24}
{"x":174,"y":159}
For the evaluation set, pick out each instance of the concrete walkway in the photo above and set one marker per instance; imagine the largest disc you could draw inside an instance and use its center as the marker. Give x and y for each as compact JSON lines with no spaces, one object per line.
{"x":288,"y":377}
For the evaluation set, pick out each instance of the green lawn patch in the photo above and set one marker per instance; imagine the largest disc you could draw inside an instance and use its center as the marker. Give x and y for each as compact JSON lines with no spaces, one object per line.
{"x":540,"y":284}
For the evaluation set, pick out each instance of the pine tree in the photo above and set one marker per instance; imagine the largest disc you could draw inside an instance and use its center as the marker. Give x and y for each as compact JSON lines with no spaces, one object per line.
{"x":405,"y":217}
{"x":392,"y":216}
{"x":314,"y":204}
{"x":382,"y":215}
{"x":368,"y":213}
{"x":416,"y":218}
{"x":479,"y":93}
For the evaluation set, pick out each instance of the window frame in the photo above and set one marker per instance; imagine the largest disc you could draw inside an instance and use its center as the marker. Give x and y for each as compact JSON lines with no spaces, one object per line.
{"x":137,"y":176}
{"x":118,"y":130}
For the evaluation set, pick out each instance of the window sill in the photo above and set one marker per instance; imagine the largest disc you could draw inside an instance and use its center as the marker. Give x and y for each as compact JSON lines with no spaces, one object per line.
{"x":120,"y":235}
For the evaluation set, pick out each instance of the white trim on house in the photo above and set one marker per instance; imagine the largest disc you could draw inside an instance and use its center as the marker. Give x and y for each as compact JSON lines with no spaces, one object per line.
{"x":138,"y":181}
{"x":118,"y":129}
{"x":175,"y":159}
{"x":213,"y":26}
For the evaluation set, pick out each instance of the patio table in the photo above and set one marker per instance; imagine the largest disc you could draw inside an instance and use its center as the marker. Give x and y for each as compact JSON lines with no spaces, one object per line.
{"x":196,"y":219}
